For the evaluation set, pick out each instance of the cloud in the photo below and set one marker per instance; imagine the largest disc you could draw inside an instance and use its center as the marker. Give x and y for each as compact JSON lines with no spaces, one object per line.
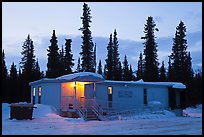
{"x":126,"y":47}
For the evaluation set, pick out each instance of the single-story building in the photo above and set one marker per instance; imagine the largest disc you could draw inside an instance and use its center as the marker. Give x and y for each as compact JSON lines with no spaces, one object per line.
{"x":78,"y":92}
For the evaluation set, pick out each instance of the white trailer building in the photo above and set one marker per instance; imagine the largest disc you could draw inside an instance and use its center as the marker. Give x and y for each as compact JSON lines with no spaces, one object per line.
{"x":81,"y":93}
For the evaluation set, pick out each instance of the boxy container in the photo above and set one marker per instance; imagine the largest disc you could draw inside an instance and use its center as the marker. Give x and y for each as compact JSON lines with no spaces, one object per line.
{"x":21,"y":111}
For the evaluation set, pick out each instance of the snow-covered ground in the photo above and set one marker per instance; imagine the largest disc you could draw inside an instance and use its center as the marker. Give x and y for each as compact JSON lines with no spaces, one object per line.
{"x":47,"y":122}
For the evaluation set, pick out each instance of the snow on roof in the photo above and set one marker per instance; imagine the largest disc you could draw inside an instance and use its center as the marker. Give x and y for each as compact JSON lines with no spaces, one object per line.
{"x":141,"y":82}
{"x":82,"y":76}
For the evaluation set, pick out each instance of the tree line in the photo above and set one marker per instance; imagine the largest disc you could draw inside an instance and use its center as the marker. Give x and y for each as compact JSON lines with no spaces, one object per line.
{"x":60,"y":62}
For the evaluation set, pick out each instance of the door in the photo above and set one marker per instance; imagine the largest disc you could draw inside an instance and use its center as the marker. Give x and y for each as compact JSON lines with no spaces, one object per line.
{"x":89,"y":95}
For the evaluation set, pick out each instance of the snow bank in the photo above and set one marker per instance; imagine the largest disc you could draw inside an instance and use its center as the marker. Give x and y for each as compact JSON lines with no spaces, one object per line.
{"x":193,"y":112}
{"x":149,"y":115}
{"x":43,"y":111}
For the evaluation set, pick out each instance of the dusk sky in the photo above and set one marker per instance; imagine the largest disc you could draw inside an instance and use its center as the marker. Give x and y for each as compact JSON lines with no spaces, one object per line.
{"x":39,"y":19}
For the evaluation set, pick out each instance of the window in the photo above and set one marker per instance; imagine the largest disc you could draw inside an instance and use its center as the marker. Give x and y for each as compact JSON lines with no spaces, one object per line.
{"x":39,"y":94}
{"x":110,"y":90}
{"x":34,"y":92}
{"x":110,"y":97}
{"x":145,"y":96}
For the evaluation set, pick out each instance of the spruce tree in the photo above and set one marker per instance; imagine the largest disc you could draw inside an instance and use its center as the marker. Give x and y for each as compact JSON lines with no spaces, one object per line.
{"x":162,"y":75}
{"x":120,"y":72}
{"x":28,"y":67}
{"x":53,"y":58}
{"x":79,"y":65}
{"x":151,"y":72}
{"x":189,"y":78}
{"x":179,"y":53}
{"x":4,"y":79}
{"x":68,"y":59}
{"x":140,"y":67}
{"x":126,"y":72}
{"x":13,"y":80}
{"x":99,"y":71}
{"x":109,"y":60}
{"x":116,"y":58}
{"x":170,"y":70}
{"x":87,"y":44}
{"x":131,"y":76}
{"x":20,"y":86}
{"x":62,"y":61}
{"x":197,"y":99}
{"x":38,"y":74}
{"x":181,"y":62}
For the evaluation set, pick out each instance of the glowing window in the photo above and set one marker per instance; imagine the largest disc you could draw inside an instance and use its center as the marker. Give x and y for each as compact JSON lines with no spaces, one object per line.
{"x":39,"y":91}
{"x":34,"y":90}
{"x":110,"y":90}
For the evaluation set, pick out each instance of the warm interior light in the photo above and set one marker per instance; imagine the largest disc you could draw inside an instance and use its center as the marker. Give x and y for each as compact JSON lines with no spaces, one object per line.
{"x":34,"y":91}
{"x":109,"y":90}
{"x":39,"y":91}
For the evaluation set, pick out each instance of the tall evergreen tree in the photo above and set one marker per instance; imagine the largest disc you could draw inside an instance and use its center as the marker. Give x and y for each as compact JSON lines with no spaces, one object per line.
{"x":131,"y":76}
{"x":189,"y":77}
{"x":99,"y":68}
{"x":109,"y":60}
{"x":13,"y":80}
{"x":38,"y":73}
{"x":126,"y":72}
{"x":181,"y":62}
{"x":151,"y":72}
{"x":116,"y":58}
{"x":20,"y":86}
{"x":170,"y":70}
{"x":179,"y":53}
{"x":4,"y":79}
{"x":53,"y":58}
{"x":140,"y":67}
{"x":79,"y":65}
{"x":28,"y":67}
{"x":162,"y":75}
{"x":87,"y":44}
{"x":120,"y":72}
{"x":68,"y":59}
{"x":197,"y":96}
{"x":62,"y":61}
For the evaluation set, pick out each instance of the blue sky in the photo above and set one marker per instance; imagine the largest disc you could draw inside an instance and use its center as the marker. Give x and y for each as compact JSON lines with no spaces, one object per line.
{"x":39,"y":19}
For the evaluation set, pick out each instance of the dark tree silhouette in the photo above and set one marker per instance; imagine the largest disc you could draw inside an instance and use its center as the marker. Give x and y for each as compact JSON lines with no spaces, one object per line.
{"x":181,"y":63}
{"x":4,"y":79}
{"x":28,"y":67}
{"x":68,"y":58}
{"x":140,"y":67}
{"x":126,"y":71}
{"x":13,"y":80}
{"x":87,"y":44}
{"x":109,"y":61}
{"x":162,"y":74}
{"x":170,"y":70}
{"x":99,"y":71}
{"x":116,"y":58}
{"x":151,"y":72}
{"x":79,"y":65}
{"x":53,"y":66}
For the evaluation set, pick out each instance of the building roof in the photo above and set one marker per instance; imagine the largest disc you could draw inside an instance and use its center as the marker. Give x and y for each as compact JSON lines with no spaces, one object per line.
{"x":81,"y":76}
{"x":94,"y":77}
{"x":176,"y":85}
